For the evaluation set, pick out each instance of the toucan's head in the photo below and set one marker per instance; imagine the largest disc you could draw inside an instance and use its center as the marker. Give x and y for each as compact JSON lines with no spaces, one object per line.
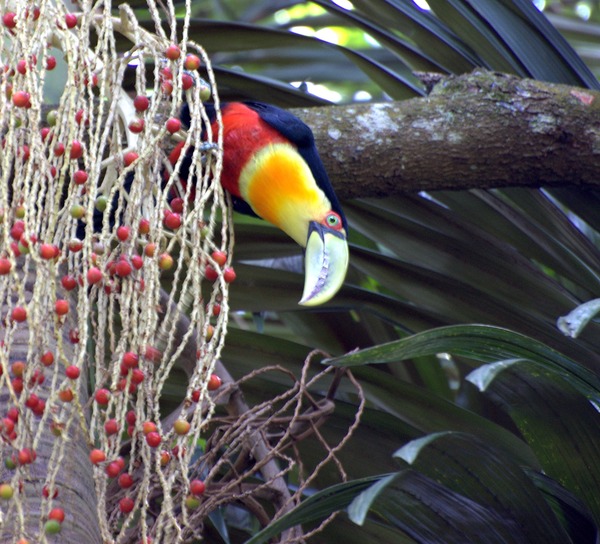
{"x":280,"y":187}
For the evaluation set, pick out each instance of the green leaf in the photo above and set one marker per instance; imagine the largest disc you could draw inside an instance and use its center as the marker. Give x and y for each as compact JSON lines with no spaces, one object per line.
{"x":412,"y":26}
{"x":481,"y":472}
{"x":218,"y":36}
{"x":555,"y":418}
{"x":434,"y":514}
{"x":478,"y":342}
{"x":464,"y":21}
{"x":315,"y":507}
{"x":574,"y":516}
{"x":429,"y":413}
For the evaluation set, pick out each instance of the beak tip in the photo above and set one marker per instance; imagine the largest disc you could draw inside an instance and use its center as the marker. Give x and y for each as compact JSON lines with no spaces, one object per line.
{"x":326,"y":263}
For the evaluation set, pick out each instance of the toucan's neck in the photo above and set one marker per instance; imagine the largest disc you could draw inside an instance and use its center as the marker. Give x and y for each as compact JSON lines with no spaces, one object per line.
{"x":279,"y":186}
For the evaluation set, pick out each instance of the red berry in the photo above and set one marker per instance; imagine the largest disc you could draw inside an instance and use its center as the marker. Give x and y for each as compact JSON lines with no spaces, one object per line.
{"x":149,"y":249}
{"x":13,"y":414}
{"x":5,"y":266}
{"x":152,"y":354}
{"x":130,"y":157}
{"x":197,"y":487}
{"x":136,"y":126}
{"x":97,"y":456}
{"x":125,"y":480}
{"x":153,"y":439}
{"x":130,"y":360}
{"x":137,"y":262}
{"x":74,"y":336}
{"x":66,"y":395}
{"x":94,"y":275}
{"x":71,"y":20}
{"x":47,"y":358}
{"x":113,"y":469}
{"x":111,"y":426}
{"x":48,"y":251}
{"x":192,"y":62}
{"x":229,"y":275}
{"x":187,"y":81}
{"x":9,"y":19}
{"x":61,"y":307}
{"x":7,"y":426}
{"x":17,"y":384}
{"x":59,"y":149}
{"x":46,"y":493}
{"x":220,"y":257}
{"x":76,"y":150}
{"x":75,"y":245}
{"x":80,"y":116}
{"x":17,"y":230}
{"x":21,"y":99}
{"x":173,"y":125}
{"x":137,"y":376}
{"x":126,"y":505}
{"x":177,"y":205}
{"x":18,"y":368}
{"x":214,"y":382}
{"x":37,"y":378}
{"x":172,"y":221}
{"x":148,"y":427}
{"x":68,"y":282}
{"x":130,"y":417}
{"x":102,"y":396}
{"x":196,"y":395}
{"x":141,"y":103}
{"x":58,"y":514}
{"x":210,"y":273}
{"x":123,"y":233}
{"x":22,"y":67}
{"x":32,"y":401}
{"x":166,"y":87}
{"x":19,"y":314}
{"x":123,"y":268}
{"x":50,"y":62}
{"x":80,"y":177}
{"x":144,"y":226}
{"x":165,"y":458}
{"x":26,"y":456}
{"x":72,"y":372}
{"x":173,"y":52}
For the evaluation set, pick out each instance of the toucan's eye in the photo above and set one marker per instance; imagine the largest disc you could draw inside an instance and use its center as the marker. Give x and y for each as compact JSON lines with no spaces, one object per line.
{"x":333,"y":221}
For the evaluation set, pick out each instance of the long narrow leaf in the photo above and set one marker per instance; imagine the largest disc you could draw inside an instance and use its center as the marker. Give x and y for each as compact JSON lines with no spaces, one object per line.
{"x":316,"y":507}
{"x":479,"y":342}
{"x":483,"y":473}
{"x":557,"y":420}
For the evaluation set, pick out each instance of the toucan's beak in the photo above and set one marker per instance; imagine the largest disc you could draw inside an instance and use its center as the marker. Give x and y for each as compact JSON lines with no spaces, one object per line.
{"x":325,"y":264}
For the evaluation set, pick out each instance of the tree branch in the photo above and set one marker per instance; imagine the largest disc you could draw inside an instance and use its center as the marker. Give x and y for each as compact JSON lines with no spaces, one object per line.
{"x":479,"y":130}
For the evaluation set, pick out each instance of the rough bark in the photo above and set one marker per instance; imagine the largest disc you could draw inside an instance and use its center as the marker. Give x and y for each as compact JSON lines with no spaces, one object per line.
{"x":479,"y":130}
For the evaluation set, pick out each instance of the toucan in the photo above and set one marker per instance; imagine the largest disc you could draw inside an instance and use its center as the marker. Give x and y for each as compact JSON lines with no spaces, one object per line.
{"x":272,"y":169}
